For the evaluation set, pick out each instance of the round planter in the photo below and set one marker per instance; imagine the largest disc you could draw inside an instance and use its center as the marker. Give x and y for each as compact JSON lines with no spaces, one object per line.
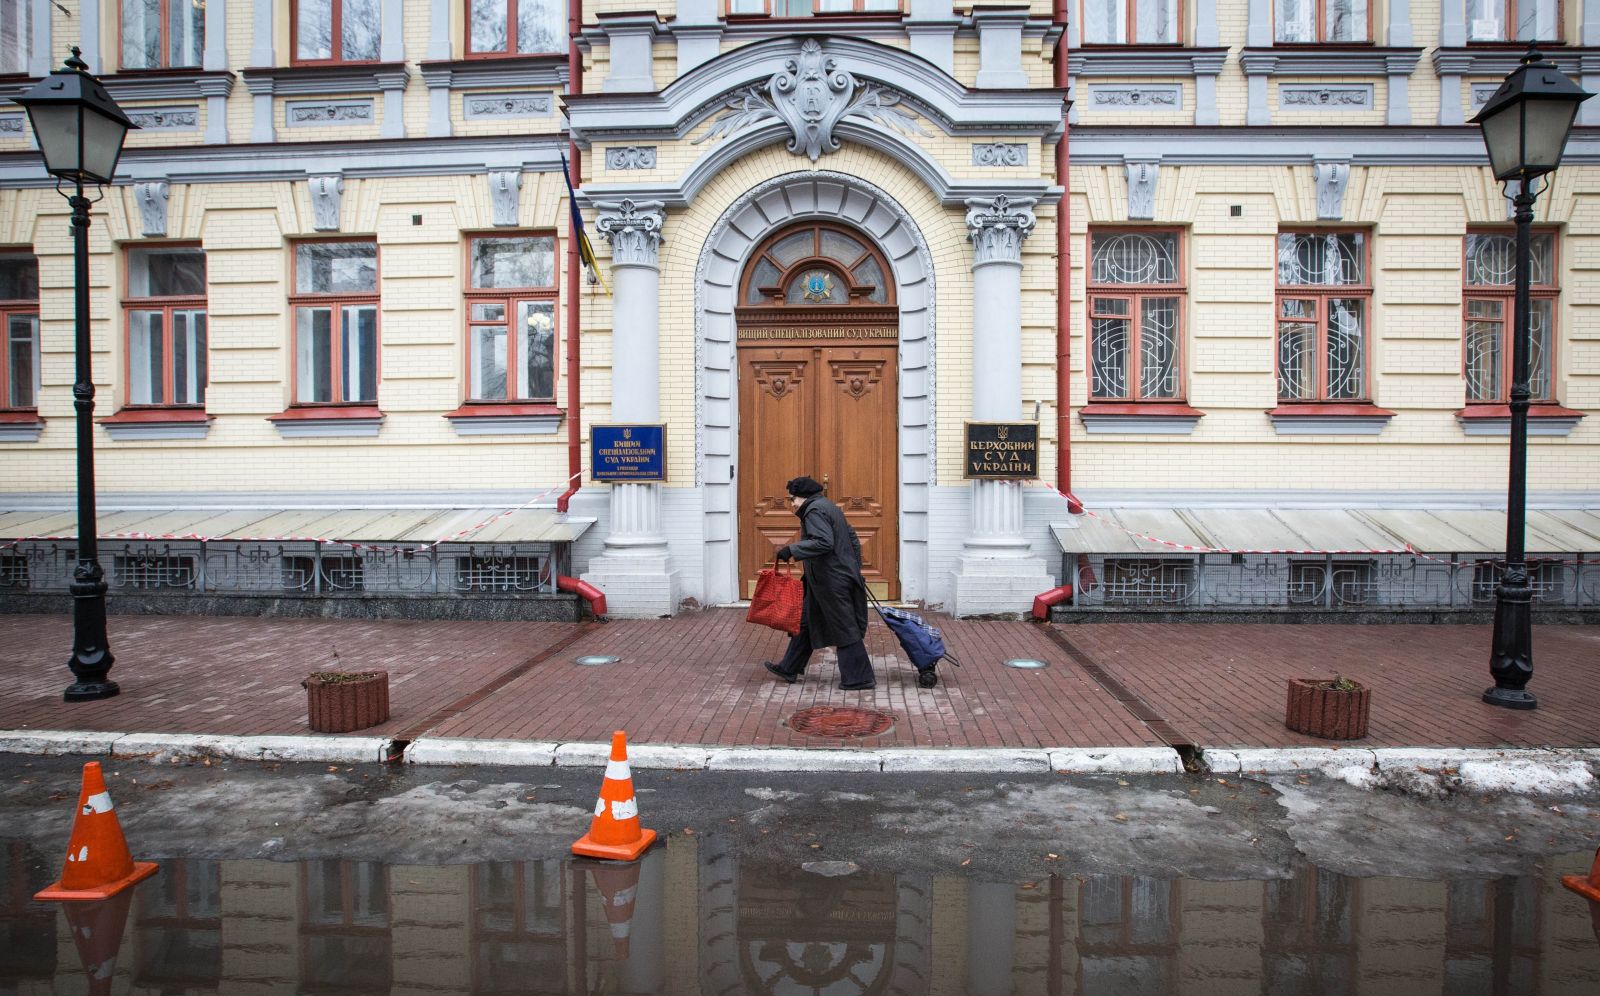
{"x":349,"y":702}
{"x":1318,"y":709}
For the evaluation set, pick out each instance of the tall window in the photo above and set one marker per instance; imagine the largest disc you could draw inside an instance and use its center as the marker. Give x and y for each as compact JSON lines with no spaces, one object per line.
{"x":166,"y":312}
{"x":345,"y":939}
{"x":1513,"y":20}
{"x":162,"y":34}
{"x":335,"y":304}
{"x":336,"y":30}
{"x":19,"y":319}
{"x":16,"y":35}
{"x":1489,"y":278}
{"x":516,"y":27}
{"x":1136,"y":296}
{"x":1121,"y":22}
{"x":1311,"y":21}
{"x":1323,"y":302}
{"x":511,"y":318}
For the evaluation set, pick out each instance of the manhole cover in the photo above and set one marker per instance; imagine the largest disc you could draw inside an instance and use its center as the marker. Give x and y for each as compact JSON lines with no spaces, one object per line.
{"x":841,"y":721}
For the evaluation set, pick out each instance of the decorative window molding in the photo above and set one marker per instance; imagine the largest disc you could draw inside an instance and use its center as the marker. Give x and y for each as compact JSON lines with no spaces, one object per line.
{"x":326,"y":196}
{"x":1101,"y":62}
{"x":1150,"y":420}
{"x":1329,"y":420}
{"x":506,"y":105}
{"x":1142,"y":178}
{"x":307,"y":81}
{"x":20,"y":427}
{"x":1330,"y":61}
{"x":1331,"y":175}
{"x":505,"y":186}
{"x":137,"y":424}
{"x":1312,"y":97}
{"x":346,"y":420}
{"x":323,"y":113}
{"x":151,"y":196}
{"x":442,"y":77}
{"x":631,"y":157}
{"x":1495,"y":420}
{"x":1136,"y":98}
{"x":184,"y":118}
{"x":505,"y":420}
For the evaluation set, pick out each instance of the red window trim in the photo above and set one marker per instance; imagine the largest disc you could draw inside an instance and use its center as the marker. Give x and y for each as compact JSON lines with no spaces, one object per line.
{"x":1131,"y":24}
{"x":8,"y":309}
{"x":156,"y":415}
{"x":336,"y":33}
{"x":502,"y":409}
{"x":166,"y":305}
{"x":1315,"y":409}
{"x":1153,"y":409}
{"x":510,"y":51}
{"x":1321,"y":25}
{"x":20,"y":416}
{"x":1506,"y":294}
{"x":1137,"y":292}
{"x":166,"y":42}
{"x":333,"y":301}
{"x":1321,"y":293}
{"x":511,"y":296}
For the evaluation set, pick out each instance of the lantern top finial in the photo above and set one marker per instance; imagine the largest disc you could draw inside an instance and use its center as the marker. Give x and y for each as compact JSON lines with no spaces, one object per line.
{"x":75,"y":61}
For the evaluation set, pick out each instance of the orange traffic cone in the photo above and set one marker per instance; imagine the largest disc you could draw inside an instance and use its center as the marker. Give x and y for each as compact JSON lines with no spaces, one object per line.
{"x":1588,"y":888}
{"x":615,"y":832}
{"x":619,"y":885}
{"x":97,"y":931}
{"x":98,"y":863}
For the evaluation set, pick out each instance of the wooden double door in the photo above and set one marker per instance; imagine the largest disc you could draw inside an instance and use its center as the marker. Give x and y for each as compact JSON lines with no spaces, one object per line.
{"x":828,"y":412}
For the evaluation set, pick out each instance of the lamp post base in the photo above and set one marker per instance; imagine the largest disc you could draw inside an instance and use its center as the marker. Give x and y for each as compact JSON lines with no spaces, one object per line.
{"x":88,"y":691}
{"x":1510,"y":698}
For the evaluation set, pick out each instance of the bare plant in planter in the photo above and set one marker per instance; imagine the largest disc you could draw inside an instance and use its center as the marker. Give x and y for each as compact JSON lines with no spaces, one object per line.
{"x":1330,"y":708}
{"x":341,"y":701}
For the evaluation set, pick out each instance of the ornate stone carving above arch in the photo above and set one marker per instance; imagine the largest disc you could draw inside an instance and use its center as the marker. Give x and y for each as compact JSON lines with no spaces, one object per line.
{"x":756,"y":214}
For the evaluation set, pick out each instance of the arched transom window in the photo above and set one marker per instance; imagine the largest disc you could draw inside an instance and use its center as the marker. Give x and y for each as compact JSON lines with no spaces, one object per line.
{"x":816,"y":265}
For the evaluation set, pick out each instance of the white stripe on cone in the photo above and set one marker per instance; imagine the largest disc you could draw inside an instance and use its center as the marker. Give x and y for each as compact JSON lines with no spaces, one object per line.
{"x":624,"y":809}
{"x":618,"y":771}
{"x":599,"y":807}
{"x":100,"y":802}
{"x":624,"y":897}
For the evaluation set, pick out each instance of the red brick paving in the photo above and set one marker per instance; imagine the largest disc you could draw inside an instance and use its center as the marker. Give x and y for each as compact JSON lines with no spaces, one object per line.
{"x":697,"y":679}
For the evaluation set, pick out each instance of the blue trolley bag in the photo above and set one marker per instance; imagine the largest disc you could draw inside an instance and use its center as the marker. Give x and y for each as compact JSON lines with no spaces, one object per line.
{"x":922,"y":643}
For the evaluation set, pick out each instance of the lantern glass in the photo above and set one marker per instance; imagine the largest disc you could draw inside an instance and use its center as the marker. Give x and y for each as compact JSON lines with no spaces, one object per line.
{"x":1502,"y":135}
{"x":1548,"y":124}
{"x":55,"y":128}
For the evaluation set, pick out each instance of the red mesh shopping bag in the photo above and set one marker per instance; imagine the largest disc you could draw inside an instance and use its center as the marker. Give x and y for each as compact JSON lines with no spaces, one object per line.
{"x":777,"y":599}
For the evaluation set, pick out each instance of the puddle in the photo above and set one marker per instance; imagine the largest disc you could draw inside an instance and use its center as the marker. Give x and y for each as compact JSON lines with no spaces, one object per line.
{"x":694,"y":917}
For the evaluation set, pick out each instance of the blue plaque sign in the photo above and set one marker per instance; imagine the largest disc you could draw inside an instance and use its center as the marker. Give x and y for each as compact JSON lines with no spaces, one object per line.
{"x":628,"y":453}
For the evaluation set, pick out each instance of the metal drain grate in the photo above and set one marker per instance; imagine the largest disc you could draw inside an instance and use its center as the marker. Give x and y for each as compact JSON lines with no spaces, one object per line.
{"x":841,"y":721}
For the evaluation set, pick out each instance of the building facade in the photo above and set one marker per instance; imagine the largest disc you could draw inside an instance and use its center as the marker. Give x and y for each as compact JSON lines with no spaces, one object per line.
{"x":1240,"y":262}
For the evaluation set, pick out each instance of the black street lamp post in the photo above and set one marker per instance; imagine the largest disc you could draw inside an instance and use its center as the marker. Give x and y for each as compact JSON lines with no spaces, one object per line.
{"x":1525,"y":128}
{"x":80,"y":130}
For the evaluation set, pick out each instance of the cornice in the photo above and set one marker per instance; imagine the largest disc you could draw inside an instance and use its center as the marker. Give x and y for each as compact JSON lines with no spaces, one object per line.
{"x":1461,"y":145}
{"x":1354,"y":60}
{"x":296,"y":81}
{"x":1134,"y":61}
{"x":165,"y":85}
{"x":486,"y":74}
{"x":1478,"y":61}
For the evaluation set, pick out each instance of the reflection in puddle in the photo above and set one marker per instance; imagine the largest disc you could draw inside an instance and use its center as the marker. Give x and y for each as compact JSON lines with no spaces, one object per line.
{"x":692,"y":918}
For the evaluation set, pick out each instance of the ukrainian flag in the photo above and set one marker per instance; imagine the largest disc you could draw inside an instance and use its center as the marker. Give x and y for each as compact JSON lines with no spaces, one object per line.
{"x":585,"y":249}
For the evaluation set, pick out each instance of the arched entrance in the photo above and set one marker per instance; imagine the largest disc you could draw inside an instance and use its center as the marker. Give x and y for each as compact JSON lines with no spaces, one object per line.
{"x":818,"y":387}
{"x":746,"y":224}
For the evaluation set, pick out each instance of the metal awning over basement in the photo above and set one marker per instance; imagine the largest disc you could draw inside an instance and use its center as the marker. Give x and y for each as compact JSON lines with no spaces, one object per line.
{"x":1321,"y":531}
{"x":399,"y":526}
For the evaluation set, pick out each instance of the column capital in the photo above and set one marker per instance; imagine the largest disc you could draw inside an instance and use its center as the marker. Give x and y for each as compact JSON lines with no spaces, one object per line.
{"x":634,"y":230}
{"x":996,"y":226}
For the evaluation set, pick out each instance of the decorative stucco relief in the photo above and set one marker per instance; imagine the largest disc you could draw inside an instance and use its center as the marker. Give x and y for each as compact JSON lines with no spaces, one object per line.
{"x":1157,"y":98}
{"x":504,"y":188}
{"x":507,"y":105}
{"x":151,"y":196}
{"x":1311,"y":96}
{"x":631,"y":157}
{"x":325,"y":112}
{"x":999,"y":154}
{"x":10,"y":124}
{"x":165,"y":118}
{"x":326,"y":196}
{"x":811,"y":94}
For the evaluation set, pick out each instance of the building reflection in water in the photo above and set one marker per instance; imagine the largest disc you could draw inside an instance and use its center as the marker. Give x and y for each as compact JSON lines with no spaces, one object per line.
{"x":699,"y":919}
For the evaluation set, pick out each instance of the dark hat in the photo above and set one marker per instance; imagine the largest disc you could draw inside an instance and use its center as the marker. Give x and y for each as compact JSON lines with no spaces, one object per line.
{"x":803,"y":487}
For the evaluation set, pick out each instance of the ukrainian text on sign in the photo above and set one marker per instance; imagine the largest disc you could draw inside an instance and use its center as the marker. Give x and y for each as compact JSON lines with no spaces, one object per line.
{"x":1002,"y":450}
{"x":818,"y":332}
{"x":628,"y":453}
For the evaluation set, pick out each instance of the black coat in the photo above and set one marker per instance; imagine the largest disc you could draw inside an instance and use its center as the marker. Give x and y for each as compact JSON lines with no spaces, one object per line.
{"x":836,"y":595}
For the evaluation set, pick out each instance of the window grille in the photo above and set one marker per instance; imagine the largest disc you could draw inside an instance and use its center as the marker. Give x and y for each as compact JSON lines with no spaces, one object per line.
{"x":139,"y":569}
{"x":13,"y":571}
{"x":498,"y":574}
{"x":300,"y":573}
{"x":1353,"y":582}
{"x":1148,"y":580}
{"x":1547,"y":580}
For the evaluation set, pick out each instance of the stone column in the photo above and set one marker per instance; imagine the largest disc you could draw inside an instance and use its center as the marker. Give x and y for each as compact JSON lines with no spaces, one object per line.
{"x":635,"y":571}
{"x":996,"y":571}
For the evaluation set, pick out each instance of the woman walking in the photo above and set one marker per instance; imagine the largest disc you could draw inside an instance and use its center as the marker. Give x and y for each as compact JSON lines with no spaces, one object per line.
{"x":834,"y":613}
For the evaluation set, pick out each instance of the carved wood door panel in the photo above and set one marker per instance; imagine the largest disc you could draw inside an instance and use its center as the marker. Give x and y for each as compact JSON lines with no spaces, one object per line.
{"x":829,"y":412}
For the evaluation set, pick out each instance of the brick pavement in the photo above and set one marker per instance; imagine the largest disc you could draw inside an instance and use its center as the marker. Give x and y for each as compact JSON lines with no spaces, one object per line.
{"x":696,"y":679}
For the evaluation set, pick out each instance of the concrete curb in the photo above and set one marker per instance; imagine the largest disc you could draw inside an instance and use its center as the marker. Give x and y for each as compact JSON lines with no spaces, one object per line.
{"x":1549,"y":770}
